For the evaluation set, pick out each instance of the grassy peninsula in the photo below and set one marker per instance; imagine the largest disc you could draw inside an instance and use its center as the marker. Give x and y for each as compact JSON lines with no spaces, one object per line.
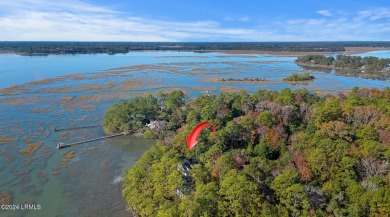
{"x":365,"y":66}
{"x":275,"y":153}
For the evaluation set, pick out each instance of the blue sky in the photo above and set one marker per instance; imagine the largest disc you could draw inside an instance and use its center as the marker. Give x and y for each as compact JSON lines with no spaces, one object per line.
{"x":197,"y":20}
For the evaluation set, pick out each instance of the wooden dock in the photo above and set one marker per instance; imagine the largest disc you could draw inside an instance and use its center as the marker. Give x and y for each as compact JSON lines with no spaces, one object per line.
{"x":91,"y":140}
{"x":76,"y":128}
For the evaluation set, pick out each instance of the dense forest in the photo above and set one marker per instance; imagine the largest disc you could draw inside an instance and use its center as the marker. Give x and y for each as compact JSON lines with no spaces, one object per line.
{"x":46,"y":48}
{"x":275,"y":153}
{"x":369,"y":65}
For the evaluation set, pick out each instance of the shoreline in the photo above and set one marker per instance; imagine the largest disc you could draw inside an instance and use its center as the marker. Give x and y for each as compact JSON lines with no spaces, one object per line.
{"x":348,"y":51}
{"x":219,"y":81}
{"x":331,"y":67}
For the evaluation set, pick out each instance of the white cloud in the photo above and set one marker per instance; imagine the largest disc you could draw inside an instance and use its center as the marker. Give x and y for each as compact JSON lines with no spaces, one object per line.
{"x":241,"y":19}
{"x":325,"y":13}
{"x":375,"y":14}
{"x":46,"y":5}
{"x":75,"y":20}
{"x":343,"y":27}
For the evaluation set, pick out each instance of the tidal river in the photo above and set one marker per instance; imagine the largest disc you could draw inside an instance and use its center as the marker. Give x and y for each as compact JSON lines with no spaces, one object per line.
{"x":40,"y":94}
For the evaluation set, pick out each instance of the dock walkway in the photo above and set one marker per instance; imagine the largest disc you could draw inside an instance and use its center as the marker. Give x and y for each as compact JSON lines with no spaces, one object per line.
{"x":91,"y":140}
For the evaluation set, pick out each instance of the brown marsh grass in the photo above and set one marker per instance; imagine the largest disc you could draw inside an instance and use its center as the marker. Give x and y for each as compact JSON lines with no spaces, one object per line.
{"x":31,"y":148}
{"x":229,"y":89}
{"x":6,"y":140}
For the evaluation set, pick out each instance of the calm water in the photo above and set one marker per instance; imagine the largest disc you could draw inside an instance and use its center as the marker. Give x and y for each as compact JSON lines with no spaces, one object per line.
{"x":15,"y":69}
{"x":85,"y":180}
{"x":379,"y":54}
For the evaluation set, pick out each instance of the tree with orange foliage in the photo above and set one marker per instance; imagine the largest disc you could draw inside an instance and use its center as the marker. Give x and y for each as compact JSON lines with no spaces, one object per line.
{"x":302,"y":165}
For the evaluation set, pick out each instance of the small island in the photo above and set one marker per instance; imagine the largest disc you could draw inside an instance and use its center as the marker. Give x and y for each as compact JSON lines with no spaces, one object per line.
{"x":295,"y":77}
{"x":243,"y":79}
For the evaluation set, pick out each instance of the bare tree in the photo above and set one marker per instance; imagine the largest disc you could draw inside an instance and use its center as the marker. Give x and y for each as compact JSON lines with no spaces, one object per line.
{"x":367,"y":115}
{"x":374,"y":167}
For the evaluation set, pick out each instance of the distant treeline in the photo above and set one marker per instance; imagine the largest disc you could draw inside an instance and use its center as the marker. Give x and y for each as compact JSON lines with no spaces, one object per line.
{"x":45,"y":48}
{"x":367,"y":64}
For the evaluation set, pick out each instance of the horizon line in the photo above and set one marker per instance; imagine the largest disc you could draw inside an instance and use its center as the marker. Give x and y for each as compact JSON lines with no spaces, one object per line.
{"x":225,"y":42}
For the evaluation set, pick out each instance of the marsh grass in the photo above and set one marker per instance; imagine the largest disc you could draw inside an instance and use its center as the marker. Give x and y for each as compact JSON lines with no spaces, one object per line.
{"x":22,"y":101}
{"x":44,"y":81}
{"x":46,"y":152}
{"x":85,"y":99}
{"x":24,"y":171}
{"x":82,"y":119}
{"x":55,"y":171}
{"x":66,"y":99}
{"x":68,"y":156}
{"x":66,"y":89}
{"x":97,"y":119}
{"x":110,"y":85}
{"x":6,"y":140}
{"x":13,"y":90}
{"x":23,"y":180}
{"x":88,"y":108}
{"x":27,"y":140}
{"x":41,"y":176}
{"x":28,"y":160}
{"x":31,"y":148}
{"x":5,"y":197}
{"x":76,"y":76}
{"x":45,"y":135}
{"x":89,"y":149}
{"x":63,"y":136}
{"x":9,"y":159}
{"x":95,"y":87}
{"x":128,"y":85}
{"x":237,"y":56}
{"x":229,"y":89}
{"x":197,"y":69}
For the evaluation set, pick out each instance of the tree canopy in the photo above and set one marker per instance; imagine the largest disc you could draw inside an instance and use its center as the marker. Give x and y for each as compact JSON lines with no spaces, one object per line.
{"x":299,"y":77}
{"x":276,"y":153}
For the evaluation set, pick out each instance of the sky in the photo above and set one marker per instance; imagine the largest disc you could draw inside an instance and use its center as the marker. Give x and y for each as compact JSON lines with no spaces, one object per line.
{"x":195,"y":21}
